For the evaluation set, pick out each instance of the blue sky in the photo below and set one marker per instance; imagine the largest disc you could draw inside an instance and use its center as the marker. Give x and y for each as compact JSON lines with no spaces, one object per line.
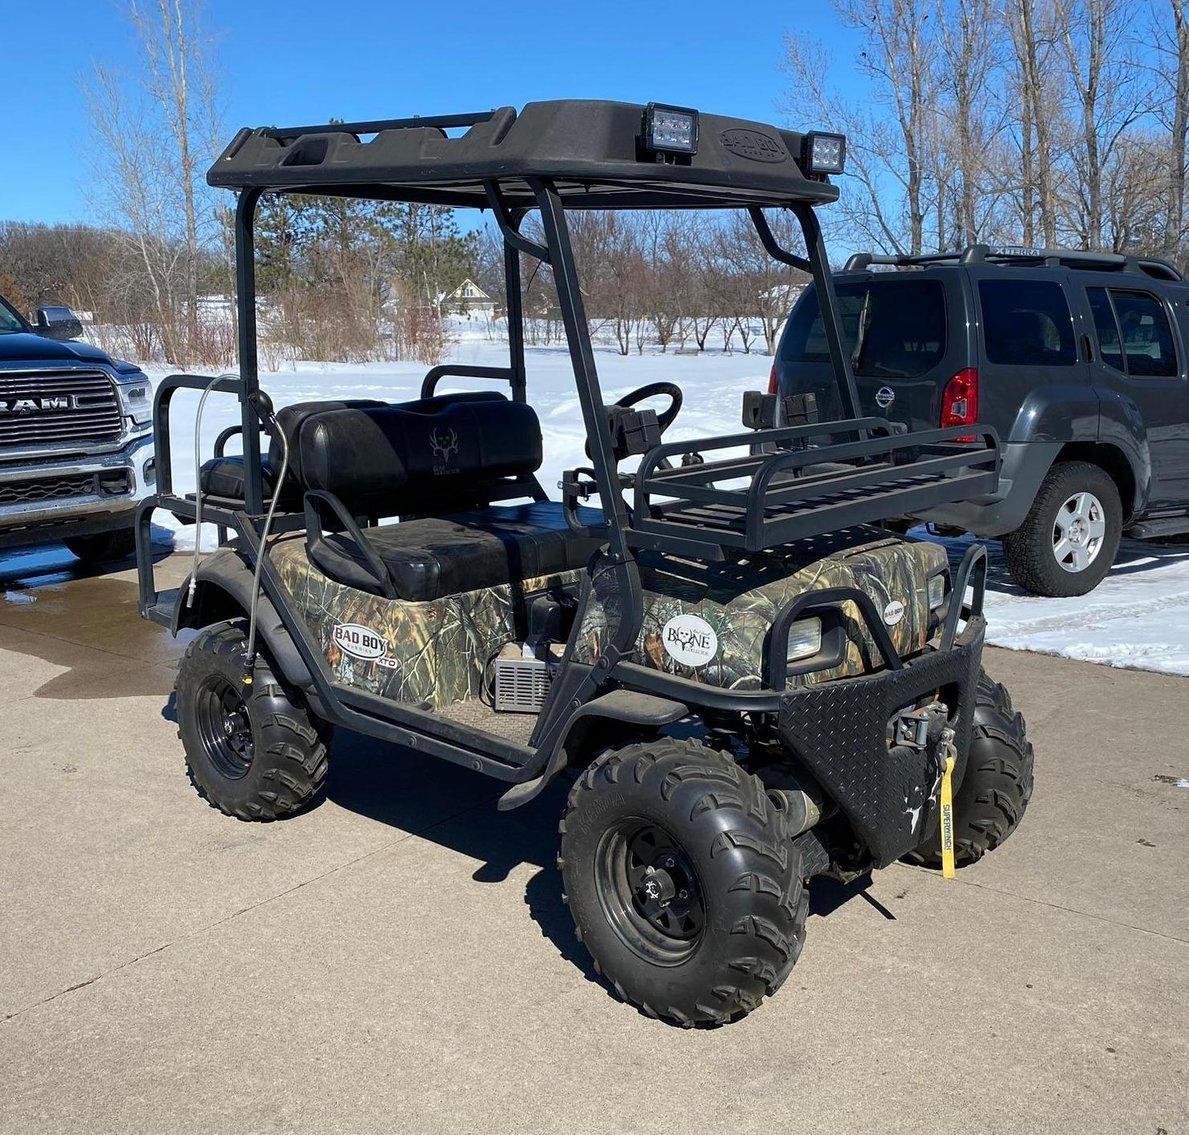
{"x":287,"y":62}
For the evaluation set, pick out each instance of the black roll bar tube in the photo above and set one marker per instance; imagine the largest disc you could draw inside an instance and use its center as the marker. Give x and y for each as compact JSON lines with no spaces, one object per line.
{"x":823,"y":280}
{"x":598,"y":431}
{"x":249,"y":393}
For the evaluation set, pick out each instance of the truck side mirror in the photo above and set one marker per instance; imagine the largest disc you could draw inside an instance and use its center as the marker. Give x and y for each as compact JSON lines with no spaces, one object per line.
{"x":58,"y":323}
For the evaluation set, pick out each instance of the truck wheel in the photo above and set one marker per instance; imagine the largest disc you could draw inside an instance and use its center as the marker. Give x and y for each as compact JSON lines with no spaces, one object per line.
{"x":682,"y":882}
{"x":103,"y":547}
{"x":997,"y":786}
{"x":251,"y":750}
{"x":1069,"y":538}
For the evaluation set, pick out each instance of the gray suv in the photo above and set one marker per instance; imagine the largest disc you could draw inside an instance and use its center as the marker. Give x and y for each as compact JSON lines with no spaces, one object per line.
{"x":76,"y":441}
{"x":1079,"y":360}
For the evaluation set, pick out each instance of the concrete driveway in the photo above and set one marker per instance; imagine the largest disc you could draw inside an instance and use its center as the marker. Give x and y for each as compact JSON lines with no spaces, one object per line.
{"x":399,"y":959}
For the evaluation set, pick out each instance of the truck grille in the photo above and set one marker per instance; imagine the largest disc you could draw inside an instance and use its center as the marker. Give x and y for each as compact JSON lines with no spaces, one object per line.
{"x":49,"y":407}
{"x":39,"y":489}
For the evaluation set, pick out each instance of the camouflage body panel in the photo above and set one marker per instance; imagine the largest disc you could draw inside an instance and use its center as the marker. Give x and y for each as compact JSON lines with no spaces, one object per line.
{"x":741,"y":600}
{"x":431,"y":653}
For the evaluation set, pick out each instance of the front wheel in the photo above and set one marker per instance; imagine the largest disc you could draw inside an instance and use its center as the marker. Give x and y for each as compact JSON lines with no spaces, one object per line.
{"x":997,"y":785}
{"x":682,"y":882}
{"x":252,"y":751}
{"x":1069,"y":538}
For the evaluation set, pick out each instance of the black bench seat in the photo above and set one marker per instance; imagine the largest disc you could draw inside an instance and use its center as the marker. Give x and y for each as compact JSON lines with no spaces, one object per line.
{"x":433,"y":557}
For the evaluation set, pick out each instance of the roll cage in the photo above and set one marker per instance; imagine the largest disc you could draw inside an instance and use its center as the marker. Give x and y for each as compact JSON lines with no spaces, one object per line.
{"x":554,"y":157}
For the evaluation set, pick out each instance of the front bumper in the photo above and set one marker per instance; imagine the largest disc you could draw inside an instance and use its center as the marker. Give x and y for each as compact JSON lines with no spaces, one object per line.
{"x":839,"y":731}
{"x":99,"y":494}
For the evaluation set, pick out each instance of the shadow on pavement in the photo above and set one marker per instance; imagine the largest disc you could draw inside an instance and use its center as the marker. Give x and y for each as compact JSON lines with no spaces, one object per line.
{"x":85,"y":619}
{"x":412,"y":792}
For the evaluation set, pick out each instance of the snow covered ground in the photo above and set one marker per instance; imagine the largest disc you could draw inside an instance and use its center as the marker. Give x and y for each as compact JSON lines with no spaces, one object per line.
{"x":1139,"y":617}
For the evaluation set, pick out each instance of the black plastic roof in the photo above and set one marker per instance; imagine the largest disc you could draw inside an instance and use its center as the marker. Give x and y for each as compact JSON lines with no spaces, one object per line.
{"x":589,"y":150}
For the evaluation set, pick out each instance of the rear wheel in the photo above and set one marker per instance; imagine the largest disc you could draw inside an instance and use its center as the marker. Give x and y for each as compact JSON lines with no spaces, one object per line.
{"x":997,"y":785}
{"x":103,"y":547}
{"x":1069,"y":538}
{"x":252,"y":750}
{"x":682,"y":882}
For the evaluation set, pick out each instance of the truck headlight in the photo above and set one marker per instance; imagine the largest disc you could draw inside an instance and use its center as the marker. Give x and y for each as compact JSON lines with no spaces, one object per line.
{"x":136,"y":400}
{"x":936,"y":592}
{"x":805,"y":639}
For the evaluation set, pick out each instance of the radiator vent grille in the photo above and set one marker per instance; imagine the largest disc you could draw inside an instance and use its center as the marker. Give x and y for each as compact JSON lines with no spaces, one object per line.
{"x":521,"y":685}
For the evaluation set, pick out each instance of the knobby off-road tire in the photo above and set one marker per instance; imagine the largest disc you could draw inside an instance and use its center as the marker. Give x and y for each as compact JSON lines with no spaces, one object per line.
{"x":997,"y":786}
{"x":1029,"y":550}
{"x":736,"y":920}
{"x":103,"y":547}
{"x":252,"y":751}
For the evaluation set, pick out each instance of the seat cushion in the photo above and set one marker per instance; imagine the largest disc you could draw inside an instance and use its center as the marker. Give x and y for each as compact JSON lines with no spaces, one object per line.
{"x":432,"y":557}
{"x":224,"y":477}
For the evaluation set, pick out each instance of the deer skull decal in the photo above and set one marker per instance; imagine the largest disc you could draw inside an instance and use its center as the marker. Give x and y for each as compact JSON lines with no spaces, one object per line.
{"x":443,"y":443}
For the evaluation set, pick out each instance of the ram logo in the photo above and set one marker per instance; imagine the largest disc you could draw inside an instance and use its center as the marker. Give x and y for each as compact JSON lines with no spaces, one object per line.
{"x":24,"y":406}
{"x":443,"y":444}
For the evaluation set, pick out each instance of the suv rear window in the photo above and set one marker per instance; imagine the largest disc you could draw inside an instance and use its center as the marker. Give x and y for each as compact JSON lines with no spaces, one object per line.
{"x":1026,"y":323}
{"x":901,"y":324}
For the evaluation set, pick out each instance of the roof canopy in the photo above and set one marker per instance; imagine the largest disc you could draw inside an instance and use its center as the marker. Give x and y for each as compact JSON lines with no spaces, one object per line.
{"x":590,"y":151}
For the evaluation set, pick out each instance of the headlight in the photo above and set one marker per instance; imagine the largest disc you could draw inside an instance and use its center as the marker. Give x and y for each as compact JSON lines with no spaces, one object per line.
{"x":805,"y":639}
{"x":936,"y":592}
{"x":823,"y":153}
{"x":670,"y":129}
{"x":136,"y":400}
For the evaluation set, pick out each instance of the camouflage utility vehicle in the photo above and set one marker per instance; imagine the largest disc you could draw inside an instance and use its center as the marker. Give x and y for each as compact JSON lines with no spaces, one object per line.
{"x":749,"y":682}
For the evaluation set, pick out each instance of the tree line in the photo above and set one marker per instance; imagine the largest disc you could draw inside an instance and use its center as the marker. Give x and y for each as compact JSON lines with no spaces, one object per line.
{"x":1036,"y":122}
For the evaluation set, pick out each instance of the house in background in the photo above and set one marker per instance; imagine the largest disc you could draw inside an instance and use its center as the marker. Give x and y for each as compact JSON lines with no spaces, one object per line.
{"x":470,"y":300}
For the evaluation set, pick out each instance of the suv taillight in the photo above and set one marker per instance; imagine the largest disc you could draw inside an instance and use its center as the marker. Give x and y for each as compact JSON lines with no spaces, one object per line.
{"x":959,"y":401}
{"x":772,"y":380}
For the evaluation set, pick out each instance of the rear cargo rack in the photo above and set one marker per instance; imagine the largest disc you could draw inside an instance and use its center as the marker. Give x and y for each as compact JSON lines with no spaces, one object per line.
{"x":803,"y":487}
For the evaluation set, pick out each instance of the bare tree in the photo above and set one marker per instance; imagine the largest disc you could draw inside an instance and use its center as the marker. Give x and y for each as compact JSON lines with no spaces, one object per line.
{"x":1105,"y":84}
{"x":156,"y":135}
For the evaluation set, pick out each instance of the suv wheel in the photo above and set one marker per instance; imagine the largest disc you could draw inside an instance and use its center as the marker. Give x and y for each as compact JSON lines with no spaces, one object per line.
{"x":252,"y":750}
{"x":682,"y":882}
{"x":103,"y":547}
{"x":1068,"y":541}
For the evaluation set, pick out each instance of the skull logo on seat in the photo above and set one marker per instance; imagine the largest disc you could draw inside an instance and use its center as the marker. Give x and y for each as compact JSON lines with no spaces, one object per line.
{"x":443,"y":443}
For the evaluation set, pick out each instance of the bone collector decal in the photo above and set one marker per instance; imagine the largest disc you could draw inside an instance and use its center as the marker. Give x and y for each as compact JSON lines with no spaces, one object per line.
{"x":689,"y":640}
{"x":363,"y":644}
{"x":443,"y":444}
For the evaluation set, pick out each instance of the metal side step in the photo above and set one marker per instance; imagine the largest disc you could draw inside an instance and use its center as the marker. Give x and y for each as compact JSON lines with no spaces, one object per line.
{"x":1160,"y":526}
{"x":162,"y":611}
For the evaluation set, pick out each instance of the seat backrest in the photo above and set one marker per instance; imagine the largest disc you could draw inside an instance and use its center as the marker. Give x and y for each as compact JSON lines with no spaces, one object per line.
{"x":434,"y":456}
{"x":290,"y":419}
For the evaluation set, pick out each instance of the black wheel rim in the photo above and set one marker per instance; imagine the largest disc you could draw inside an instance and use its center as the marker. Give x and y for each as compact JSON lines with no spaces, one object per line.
{"x":650,"y":892}
{"x":225,"y":727}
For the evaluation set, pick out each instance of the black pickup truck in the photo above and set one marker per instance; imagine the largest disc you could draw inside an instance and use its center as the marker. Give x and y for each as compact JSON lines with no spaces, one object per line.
{"x":76,"y":441}
{"x":1079,"y":360}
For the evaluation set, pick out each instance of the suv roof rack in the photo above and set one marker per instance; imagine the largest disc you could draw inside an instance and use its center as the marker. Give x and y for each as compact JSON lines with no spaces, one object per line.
{"x":1019,"y":256}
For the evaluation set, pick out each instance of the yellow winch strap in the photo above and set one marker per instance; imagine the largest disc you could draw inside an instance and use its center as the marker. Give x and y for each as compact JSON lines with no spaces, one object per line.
{"x":947,"y":819}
